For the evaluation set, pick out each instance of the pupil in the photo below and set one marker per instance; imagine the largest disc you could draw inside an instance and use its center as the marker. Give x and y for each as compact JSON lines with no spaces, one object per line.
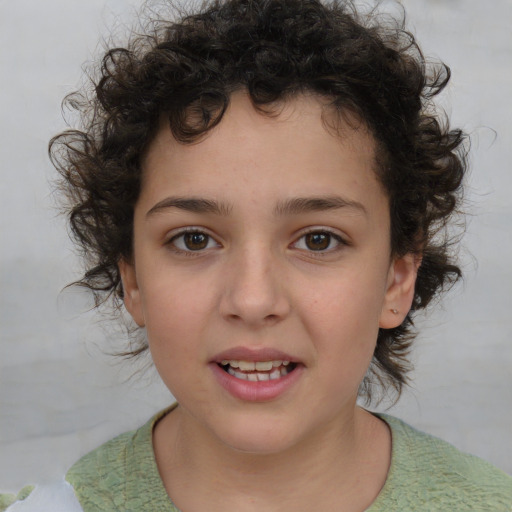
{"x":196,"y":241}
{"x":318,"y":241}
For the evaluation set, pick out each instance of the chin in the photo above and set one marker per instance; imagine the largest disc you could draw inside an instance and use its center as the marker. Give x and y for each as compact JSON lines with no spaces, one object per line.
{"x":259,"y":436}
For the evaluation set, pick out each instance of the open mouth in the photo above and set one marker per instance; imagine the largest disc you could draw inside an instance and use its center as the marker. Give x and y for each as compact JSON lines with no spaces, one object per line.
{"x":257,"y":371}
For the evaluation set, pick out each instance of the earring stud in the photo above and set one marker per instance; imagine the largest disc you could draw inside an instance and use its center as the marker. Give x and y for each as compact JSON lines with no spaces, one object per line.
{"x":394,"y":311}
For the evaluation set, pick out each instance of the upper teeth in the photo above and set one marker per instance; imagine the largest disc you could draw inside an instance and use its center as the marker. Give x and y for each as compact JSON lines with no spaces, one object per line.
{"x":261,"y":366}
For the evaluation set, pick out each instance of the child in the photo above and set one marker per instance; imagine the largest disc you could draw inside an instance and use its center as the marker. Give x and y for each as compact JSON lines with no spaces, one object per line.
{"x":266,"y":186}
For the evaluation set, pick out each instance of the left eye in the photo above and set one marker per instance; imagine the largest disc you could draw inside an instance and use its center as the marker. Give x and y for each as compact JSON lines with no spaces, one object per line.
{"x":318,"y":241}
{"x":193,"y":241}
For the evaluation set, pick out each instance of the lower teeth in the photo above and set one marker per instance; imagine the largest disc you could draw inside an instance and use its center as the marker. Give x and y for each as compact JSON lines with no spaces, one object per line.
{"x":275,"y":374}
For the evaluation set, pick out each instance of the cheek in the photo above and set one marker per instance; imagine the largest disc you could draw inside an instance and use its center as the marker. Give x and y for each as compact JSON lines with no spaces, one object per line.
{"x":171,"y":297}
{"x":174,"y":336}
{"x":175,"y":312}
{"x":350,"y":296}
{"x":343,"y":316}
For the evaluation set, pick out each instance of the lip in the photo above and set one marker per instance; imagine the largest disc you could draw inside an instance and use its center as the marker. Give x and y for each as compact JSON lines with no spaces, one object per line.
{"x":254,"y":354}
{"x":259,"y":391}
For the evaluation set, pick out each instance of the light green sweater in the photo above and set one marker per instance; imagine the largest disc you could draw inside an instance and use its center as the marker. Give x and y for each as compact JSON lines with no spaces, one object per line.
{"x":426,"y":474}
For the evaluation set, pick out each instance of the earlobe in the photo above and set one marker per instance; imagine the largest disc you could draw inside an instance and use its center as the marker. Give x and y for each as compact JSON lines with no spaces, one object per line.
{"x":400,"y":290}
{"x":132,"y":299}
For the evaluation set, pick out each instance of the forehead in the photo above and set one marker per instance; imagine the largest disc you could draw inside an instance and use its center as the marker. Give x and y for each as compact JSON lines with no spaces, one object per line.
{"x":300,"y":149}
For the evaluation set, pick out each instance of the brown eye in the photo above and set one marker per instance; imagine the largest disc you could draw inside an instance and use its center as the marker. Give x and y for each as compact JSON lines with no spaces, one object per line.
{"x":193,"y":241}
{"x":317,"y":241}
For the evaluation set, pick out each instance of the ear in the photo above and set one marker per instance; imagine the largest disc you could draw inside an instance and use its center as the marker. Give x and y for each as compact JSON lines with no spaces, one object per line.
{"x":400,"y":290}
{"x":132,"y":298}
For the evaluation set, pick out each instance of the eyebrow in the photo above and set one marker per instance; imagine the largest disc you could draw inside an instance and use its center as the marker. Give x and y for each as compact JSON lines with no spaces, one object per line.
{"x":192,"y":204}
{"x":300,"y":205}
{"x":294,"y":206}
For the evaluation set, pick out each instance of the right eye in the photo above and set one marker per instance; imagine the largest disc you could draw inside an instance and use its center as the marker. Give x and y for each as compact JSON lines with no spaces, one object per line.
{"x":193,"y":241}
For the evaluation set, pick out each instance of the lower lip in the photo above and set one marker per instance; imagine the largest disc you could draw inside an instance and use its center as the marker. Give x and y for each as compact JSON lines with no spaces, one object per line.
{"x":260,"y":391}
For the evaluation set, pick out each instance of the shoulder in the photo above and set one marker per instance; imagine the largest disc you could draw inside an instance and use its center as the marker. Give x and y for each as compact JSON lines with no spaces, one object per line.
{"x":55,"y":497}
{"x":430,"y":470}
{"x":100,"y":475}
{"x":94,"y":482}
{"x":121,"y":474}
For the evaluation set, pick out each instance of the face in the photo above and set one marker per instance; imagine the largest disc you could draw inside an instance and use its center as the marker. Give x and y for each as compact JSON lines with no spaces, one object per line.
{"x":262,"y":273}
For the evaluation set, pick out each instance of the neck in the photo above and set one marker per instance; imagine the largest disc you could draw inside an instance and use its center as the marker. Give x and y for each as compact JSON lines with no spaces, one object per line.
{"x":345,"y":463}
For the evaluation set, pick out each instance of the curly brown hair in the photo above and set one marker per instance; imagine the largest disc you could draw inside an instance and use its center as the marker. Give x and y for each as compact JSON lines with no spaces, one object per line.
{"x":275,"y":49}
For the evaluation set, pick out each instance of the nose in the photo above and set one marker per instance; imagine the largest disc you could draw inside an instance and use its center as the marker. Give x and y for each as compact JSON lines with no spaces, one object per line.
{"x":254,"y":291}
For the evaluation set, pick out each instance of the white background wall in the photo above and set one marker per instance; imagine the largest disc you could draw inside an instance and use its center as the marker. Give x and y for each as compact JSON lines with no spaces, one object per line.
{"x":60,"y":395}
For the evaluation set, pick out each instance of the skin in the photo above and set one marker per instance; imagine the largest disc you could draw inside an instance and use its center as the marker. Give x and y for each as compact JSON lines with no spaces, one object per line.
{"x":257,"y":284}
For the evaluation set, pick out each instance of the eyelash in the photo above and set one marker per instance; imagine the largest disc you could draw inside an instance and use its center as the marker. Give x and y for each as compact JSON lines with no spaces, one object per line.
{"x":172,"y":242}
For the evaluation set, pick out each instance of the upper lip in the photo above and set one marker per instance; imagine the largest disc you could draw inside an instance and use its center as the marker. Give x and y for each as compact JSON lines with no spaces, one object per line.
{"x":253,"y":354}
